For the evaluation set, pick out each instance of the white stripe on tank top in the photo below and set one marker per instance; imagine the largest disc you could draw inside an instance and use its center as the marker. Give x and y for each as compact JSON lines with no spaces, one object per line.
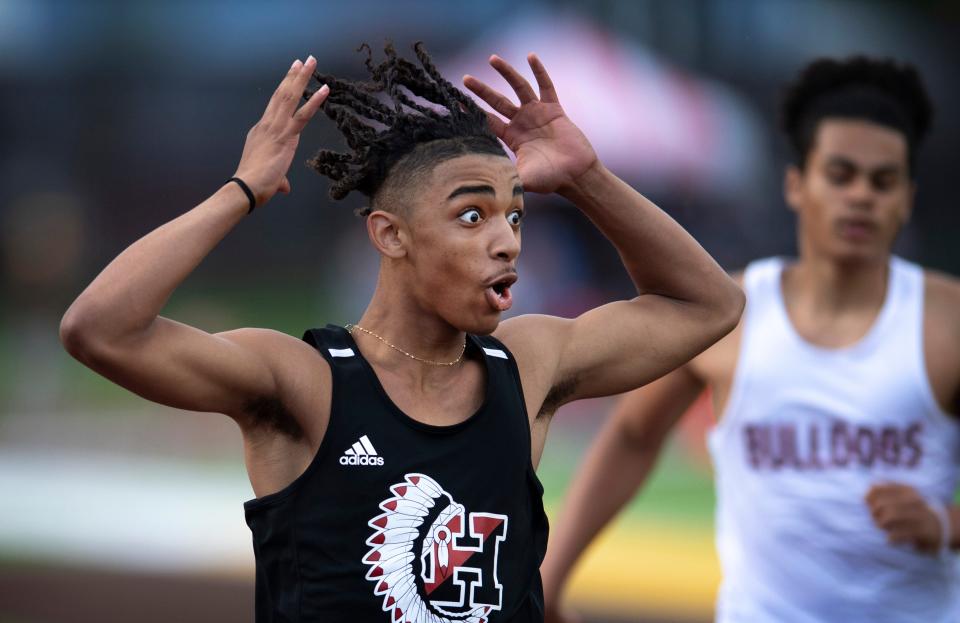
{"x":806,"y":432}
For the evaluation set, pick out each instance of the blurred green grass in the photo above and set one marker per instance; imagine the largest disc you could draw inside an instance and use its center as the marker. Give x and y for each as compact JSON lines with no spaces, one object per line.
{"x":283,"y":307}
{"x":679,"y":490}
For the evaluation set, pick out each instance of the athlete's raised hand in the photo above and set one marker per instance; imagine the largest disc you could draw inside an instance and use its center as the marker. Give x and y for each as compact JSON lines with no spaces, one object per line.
{"x":273,"y":140}
{"x":906,"y":517}
{"x":551,"y":151}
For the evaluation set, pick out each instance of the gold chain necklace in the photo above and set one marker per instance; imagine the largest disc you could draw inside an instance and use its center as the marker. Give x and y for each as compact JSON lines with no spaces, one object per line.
{"x":463,"y":349}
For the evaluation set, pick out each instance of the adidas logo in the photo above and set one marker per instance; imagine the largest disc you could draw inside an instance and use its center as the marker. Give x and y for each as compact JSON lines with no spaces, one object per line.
{"x":361,"y":453}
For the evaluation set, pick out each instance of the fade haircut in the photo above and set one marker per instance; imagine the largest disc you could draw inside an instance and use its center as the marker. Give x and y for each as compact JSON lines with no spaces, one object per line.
{"x":881,"y":91}
{"x":398,"y":125}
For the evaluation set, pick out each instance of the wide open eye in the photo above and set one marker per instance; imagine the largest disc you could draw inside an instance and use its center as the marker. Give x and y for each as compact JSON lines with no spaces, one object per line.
{"x":471,"y":216}
{"x":840,"y":174}
{"x":515,"y":217}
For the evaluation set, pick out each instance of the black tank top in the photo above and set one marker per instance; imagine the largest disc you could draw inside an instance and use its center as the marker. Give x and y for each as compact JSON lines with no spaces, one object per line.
{"x":396,"y":520}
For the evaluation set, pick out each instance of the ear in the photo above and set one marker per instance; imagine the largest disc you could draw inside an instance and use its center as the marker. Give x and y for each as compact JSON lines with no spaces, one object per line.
{"x":387,"y":232}
{"x":793,"y":187}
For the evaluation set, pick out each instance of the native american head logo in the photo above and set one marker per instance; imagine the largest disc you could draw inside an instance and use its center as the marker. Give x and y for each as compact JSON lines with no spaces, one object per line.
{"x":431,"y":560}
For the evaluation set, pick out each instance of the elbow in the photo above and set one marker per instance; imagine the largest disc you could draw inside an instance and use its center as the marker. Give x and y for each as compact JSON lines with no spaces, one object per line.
{"x":727,"y":307}
{"x":79,"y":333}
{"x":734,"y":302}
{"x":75,"y":332}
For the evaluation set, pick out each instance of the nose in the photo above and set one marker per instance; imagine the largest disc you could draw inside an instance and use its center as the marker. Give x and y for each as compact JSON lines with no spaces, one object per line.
{"x":860,"y":193}
{"x":505,"y":244}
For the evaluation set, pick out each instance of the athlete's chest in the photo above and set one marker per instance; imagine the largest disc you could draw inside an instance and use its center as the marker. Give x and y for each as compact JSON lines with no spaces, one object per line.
{"x":445,"y":403}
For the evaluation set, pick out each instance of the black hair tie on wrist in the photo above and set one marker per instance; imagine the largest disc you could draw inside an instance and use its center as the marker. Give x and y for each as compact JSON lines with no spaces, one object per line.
{"x":246,"y":190}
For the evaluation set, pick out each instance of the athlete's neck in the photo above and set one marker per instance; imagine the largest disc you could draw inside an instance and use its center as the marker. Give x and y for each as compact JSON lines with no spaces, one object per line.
{"x":830,"y":287}
{"x":396,"y":317}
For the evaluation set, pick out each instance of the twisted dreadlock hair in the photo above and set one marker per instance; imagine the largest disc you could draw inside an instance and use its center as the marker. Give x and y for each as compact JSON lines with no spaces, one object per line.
{"x":878,"y":90}
{"x":423,"y":120}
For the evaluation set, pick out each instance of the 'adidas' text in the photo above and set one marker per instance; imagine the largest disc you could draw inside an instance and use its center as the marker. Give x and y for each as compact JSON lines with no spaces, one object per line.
{"x":361,"y":453}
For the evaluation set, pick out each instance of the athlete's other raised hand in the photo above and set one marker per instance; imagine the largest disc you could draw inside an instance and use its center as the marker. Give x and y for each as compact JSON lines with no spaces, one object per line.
{"x":115,"y":328}
{"x":906,"y":517}
{"x":551,"y":151}
{"x":273,"y":140}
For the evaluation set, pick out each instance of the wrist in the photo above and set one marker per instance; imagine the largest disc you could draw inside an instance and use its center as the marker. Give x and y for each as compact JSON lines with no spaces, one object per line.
{"x":945,"y":525}
{"x":252,"y":199}
{"x":231,"y":196}
{"x":579,"y":189}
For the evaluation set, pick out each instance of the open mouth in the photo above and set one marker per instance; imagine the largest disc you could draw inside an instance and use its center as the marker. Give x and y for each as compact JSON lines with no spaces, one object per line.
{"x":855,"y":230}
{"x":498,"y":293}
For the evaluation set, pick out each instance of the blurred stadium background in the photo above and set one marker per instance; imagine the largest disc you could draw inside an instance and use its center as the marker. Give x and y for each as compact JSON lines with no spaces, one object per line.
{"x":118,"y":116}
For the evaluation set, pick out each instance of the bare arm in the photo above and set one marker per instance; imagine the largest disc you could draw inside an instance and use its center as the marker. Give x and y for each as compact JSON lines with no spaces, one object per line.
{"x":616,"y":465}
{"x":685,"y":301}
{"x":899,"y":509}
{"x":114,"y":326}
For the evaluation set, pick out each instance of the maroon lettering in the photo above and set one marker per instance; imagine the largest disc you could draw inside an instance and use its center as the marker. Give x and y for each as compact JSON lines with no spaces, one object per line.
{"x":779,"y":446}
{"x":785,"y":453}
{"x":890,"y":446}
{"x":914,"y":444}
{"x":865,"y":446}
{"x":754,"y":446}
{"x":813,"y":443}
{"x":839,"y":445}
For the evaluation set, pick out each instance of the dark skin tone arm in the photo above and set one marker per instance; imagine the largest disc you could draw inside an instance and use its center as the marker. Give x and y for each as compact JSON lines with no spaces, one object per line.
{"x":115,"y":328}
{"x":898,"y":509}
{"x":685,"y":302}
{"x":616,"y":466}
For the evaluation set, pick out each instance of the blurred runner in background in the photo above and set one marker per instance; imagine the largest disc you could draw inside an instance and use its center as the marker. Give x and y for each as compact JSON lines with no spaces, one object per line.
{"x":836,"y":450}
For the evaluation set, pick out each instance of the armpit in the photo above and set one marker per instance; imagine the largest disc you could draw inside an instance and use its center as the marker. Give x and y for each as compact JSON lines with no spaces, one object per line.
{"x":270,"y":413}
{"x":557,"y":396}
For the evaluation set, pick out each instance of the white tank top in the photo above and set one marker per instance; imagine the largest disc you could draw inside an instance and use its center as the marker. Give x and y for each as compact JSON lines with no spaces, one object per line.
{"x":805,"y":433}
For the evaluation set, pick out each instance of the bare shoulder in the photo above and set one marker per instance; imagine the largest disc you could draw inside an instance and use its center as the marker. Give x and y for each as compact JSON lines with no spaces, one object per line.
{"x":303,"y":380}
{"x":531,"y":339}
{"x":942,"y":291}
{"x":941,"y":331}
{"x":283,"y":353}
{"x":941,"y":302}
{"x":529,"y":333}
{"x":269,"y":342}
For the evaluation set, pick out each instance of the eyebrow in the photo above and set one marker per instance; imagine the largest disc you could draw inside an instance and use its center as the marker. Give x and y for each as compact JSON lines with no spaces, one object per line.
{"x":482,"y":189}
{"x":881,"y":168}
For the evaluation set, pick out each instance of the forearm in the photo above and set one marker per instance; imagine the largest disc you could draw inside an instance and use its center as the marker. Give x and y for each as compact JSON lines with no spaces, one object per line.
{"x":129,"y":293}
{"x":614,"y":468}
{"x":660,"y":256}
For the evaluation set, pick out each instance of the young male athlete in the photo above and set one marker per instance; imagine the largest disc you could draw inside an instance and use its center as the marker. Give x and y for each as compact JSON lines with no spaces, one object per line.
{"x":836,"y":450}
{"x":393,"y":460}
